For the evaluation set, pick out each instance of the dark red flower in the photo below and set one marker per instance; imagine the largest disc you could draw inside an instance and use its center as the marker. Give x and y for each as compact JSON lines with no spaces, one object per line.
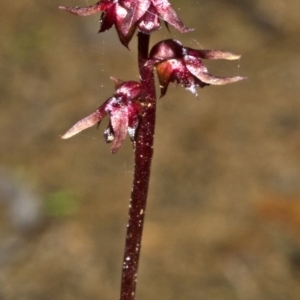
{"x":127,"y":15}
{"x":124,"y":109}
{"x":175,"y":63}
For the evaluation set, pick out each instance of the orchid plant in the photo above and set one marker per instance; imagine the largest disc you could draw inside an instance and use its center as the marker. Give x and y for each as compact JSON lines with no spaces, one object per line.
{"x":132,"y":107}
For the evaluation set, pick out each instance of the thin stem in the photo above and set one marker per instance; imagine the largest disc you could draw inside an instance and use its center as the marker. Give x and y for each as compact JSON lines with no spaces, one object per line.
{"x":143,"y":158}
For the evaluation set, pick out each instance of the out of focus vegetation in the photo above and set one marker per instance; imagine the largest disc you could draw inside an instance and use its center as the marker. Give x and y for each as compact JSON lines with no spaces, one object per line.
{"x":223,"y":217}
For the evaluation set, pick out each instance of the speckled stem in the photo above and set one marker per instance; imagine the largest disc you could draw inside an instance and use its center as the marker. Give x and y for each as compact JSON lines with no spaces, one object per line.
{"x":143,"y":158}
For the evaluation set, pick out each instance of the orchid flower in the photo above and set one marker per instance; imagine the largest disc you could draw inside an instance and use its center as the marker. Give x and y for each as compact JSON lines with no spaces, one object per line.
{"x":129,"y":15}
{"x":175,"y":63}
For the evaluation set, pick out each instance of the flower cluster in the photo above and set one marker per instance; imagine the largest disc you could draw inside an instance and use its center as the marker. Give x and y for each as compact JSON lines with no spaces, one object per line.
{"x":129,"y":15}
{"x":175,"y":63}
{"x":172,"y":61}
{"x":124,"y":109}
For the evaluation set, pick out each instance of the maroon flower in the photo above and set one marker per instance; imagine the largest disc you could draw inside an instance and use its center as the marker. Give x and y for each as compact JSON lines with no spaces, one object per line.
{"x":175,"y":63}
{"x":124,"y":109}
{"x":127,"y":15}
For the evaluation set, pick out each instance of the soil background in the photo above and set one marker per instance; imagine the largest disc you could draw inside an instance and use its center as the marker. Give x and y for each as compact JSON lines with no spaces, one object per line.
{"x":223,"y":215}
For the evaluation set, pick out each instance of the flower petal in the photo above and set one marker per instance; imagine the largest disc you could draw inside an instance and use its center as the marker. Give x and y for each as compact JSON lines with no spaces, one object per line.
{"x":174,"y":70}
{"x":129,"y":90}
{"x":87,"y":122}
{"x":164,"y":72}
{"x":108,"y":18}
{"x":119,"y":123}
{"x":124,"y":36}
{"x":197,"y":68}
{"x":137,"y":9}
{"x":212,"y":54}
{"x":150,"y":21}
{"x":166,"y":49}
{"x":169,"y":15}
{"x":88,"y":10}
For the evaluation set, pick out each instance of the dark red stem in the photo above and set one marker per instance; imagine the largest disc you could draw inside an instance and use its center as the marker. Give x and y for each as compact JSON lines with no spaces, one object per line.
{"x":143,"y":157}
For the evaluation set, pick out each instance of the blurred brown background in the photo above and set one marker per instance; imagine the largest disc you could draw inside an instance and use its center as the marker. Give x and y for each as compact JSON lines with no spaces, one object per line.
{"x":223,"y":219}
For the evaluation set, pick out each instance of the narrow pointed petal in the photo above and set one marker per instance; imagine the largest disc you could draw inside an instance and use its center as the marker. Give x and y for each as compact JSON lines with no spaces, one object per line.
{"x":168,"y":14}
{"x":119,"y":122}
{"x":136,"y":11}
{"x":217,"y":80}
{"x":88,"y":10}
{"x":87,"y":122}
{"x":197,"y":68}
{"x":213,"y":54}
